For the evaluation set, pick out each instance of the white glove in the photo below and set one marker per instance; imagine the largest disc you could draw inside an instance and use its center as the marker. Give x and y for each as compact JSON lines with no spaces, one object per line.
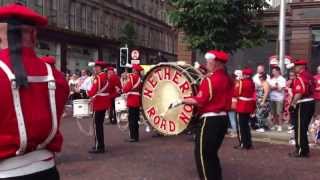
{"x":175,"y":104}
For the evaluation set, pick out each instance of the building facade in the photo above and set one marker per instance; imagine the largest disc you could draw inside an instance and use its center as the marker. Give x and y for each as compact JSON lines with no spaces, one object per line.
{"x":80,"y":31}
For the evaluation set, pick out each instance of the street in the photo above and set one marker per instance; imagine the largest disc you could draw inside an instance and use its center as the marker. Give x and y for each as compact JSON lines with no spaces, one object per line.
{"x":171,"y":158}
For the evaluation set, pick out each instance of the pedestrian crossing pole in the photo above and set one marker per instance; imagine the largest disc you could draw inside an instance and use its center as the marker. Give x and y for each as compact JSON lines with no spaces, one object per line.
{"x":282,"y":35}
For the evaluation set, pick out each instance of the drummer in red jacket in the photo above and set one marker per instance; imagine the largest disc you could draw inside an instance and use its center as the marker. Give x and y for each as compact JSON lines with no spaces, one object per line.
{"x":100,"y":94}
{"x":132,"y":88}
{"x":114,"y":79}
{"x":33,"y":95}
{"x":214,"y":99}
{"x":244,"y":91}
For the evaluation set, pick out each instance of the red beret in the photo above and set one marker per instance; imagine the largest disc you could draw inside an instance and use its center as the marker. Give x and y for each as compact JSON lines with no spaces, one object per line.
{"x":21,"y":12}
{"x":137,"y":67}
{"x":301,"y":62}
{"x":101,"y":63}
{"x":217,"y":55}
{"x":110,"y":68}
{"x":247,"y":71}
{"x":48,"y":59}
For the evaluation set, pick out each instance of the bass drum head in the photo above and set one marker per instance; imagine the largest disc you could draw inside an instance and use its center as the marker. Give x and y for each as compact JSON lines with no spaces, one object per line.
{"x":163,"y":85}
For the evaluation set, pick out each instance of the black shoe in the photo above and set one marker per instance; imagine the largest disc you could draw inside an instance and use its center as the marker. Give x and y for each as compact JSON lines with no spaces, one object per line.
{"x":157,"y":135}
{"x":96,"y":151}
{"x":240,"y":147}
{"x":248,"y":147}
{"x":295,"y":154}
{"x":132,"y":140}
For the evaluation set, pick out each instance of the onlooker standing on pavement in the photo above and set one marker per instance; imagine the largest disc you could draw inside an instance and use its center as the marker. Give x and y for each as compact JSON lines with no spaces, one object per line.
{"x":32,"y":95}
{"x":246,"y":105}
{"x":287,"y":115}
{"x":73,"y":82}
{"x":303,"y":107}
{"x":84,"y":83}
{"x":277,"y":85}
{"x":256,"y":77}
{"x":317,"y":94}
{"x":263,"y":103}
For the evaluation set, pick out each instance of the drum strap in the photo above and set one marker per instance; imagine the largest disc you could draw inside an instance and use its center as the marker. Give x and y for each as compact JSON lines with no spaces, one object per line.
{"x":18,"y":109}
{"x":210,"y":89}
{"x":136,"y":85}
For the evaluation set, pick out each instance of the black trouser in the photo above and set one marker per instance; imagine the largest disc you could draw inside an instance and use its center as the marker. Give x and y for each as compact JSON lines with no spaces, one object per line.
{"x":243,"y":129}
{"x":98,"y":120}
{"x":50,"y":174}
{"x":208,"y":141}
{"x":112,"y":113}
{"x":302,"y":116}
{"x":134,"y":114}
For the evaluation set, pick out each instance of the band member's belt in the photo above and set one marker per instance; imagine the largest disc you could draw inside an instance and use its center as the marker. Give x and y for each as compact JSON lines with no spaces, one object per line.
{"x":211,"y":114}
{"x":305,"y":100}
{"x":133,"y":93}
{"x":246,"y":99}
{"x":26,"y":164}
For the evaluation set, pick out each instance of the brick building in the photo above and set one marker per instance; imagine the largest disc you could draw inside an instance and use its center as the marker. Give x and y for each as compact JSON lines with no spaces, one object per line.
{"x":83,"y":30}
{"x":302,"y":36}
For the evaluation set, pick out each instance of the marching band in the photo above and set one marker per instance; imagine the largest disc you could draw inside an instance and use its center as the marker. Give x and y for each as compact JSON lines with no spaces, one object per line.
{"x":27,"y":152}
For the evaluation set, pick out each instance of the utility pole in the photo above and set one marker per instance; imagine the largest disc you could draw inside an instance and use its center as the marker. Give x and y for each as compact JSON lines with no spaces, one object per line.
{"x":282,"y":35}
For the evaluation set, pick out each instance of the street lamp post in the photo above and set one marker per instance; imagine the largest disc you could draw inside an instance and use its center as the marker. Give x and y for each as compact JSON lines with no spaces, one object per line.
{"x":282,"y":34}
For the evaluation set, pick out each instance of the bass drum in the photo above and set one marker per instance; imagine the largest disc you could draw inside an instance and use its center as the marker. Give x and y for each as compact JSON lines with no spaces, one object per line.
{"x":163,"y":85}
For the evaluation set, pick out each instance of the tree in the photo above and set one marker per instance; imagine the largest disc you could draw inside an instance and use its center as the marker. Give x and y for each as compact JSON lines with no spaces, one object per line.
{"x":220,"y":24}
{"x":128,"y":35}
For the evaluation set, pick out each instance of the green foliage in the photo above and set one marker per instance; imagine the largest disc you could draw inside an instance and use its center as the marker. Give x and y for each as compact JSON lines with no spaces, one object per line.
{"x":128,"y":35}
{"x":220,"y":24}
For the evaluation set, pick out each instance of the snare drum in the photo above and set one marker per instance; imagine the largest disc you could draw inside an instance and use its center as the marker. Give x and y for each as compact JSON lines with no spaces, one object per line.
{"x":82,"y":108}
{"x":163,"y":85}
{"x":121,"y":104}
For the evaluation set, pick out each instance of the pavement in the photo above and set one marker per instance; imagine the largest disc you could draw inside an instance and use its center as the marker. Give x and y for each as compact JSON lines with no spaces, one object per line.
{"x":171,"y":158}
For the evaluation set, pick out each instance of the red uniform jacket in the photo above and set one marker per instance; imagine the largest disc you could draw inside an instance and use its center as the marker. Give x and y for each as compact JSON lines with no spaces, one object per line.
{"x":35,"y":106}
{"x":116,"y":84}
{"x":100,"y":92}
{"x":244,"y":91}
{"x":133,"y":88}
{"x":316,"y":94}
{"x":215,"y":93}
{"x":303,"y":84}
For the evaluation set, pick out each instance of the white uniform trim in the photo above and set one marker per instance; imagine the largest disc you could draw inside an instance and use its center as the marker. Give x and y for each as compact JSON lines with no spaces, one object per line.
{"x":53,"y":108}
{"x":133,"y":93}
{"x":246,"y":99}
{"x":212,"y":114}
{"x":18,"y":109}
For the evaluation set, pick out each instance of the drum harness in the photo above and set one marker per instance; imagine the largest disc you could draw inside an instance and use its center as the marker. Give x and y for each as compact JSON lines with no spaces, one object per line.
{"x":33,"y":160}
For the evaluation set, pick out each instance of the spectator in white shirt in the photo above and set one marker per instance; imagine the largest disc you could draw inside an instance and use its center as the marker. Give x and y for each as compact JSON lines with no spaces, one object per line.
{"x":85,"y":83}
{"x":256,"y":79}
{"x":277,"y":84}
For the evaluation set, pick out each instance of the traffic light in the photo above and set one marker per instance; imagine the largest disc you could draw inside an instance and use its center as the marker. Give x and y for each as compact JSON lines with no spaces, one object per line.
{"x":124,"y":57}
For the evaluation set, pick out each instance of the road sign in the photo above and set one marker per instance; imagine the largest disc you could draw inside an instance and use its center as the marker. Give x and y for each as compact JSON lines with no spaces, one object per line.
{"x":135,"y":61}
{"x":135,"y":54}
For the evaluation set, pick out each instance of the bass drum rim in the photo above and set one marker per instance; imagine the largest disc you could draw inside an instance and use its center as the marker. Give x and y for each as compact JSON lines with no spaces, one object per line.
{"x":193,"y":87}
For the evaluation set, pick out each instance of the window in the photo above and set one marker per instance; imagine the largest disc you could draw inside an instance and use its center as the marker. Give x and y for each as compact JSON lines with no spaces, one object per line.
{"x":39,"y":6}
{"x":25,"y":2}
{"x":53,"y":11}
{"x":92,"y":20}
{"x":72,"y":16}
{"x":83,"y":18}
